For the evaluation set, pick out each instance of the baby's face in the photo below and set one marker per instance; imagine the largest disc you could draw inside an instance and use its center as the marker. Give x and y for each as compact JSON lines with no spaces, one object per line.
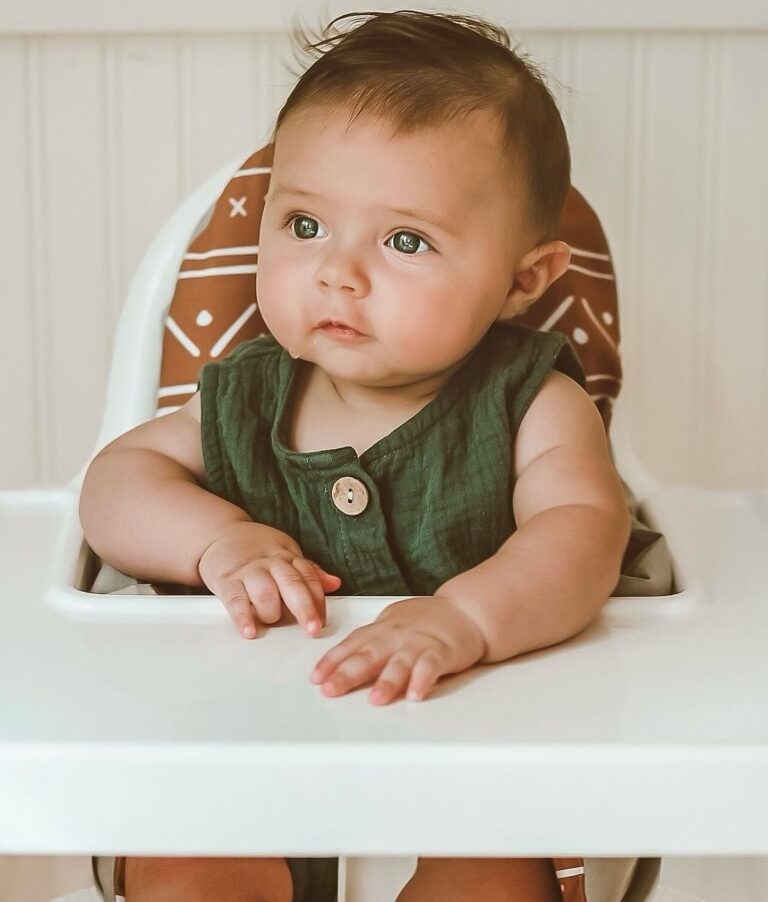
{"x":411,"y":240}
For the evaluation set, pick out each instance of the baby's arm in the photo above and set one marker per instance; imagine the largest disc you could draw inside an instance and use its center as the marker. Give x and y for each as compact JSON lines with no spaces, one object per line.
{"x":144,"y":510}
{"x":552,"y":576}
{"x":142,"y":505}
{"x":545,"y":583}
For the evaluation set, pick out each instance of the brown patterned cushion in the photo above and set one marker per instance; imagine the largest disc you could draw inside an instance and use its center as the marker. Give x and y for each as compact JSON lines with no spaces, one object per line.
{"x":214,"y":307}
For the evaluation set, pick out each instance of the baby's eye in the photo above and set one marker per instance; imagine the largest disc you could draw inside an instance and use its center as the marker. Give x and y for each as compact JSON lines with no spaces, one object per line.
{"x":410,"y":244}
{"x":307,"y":226}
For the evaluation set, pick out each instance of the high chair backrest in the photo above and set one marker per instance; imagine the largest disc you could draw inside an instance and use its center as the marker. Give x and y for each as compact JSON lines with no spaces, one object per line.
{"x":199,"y":278}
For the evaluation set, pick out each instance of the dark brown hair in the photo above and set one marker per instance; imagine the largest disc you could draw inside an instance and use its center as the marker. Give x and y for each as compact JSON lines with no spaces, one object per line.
{"x":419,"y":69}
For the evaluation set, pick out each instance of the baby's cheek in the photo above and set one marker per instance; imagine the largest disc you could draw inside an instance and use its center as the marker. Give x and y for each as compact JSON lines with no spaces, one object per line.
{"x":275,"y":302}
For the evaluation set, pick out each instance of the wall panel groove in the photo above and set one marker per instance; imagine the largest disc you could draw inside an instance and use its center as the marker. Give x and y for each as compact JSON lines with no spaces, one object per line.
{"x":629,"y":276}
{"x":706,"y":256}
{"x":113,"y":220}
{"x":39,"y":281}
{"x":17,"y":269}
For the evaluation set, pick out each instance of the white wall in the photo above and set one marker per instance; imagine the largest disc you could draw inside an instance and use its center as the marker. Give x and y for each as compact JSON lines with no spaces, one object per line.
{"x":111,"y":113}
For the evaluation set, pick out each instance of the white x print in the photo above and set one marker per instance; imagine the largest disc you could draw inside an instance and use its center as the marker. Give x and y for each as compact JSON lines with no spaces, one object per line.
{"x":238,"y":207}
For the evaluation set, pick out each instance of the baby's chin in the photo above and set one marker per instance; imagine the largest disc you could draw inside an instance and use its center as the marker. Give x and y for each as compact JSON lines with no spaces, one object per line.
{"x":351,"y":368}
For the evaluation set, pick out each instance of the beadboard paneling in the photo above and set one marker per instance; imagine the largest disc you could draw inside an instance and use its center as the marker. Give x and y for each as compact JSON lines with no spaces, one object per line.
{"x":665,"y":294}
{"x":71,"y":309}
{"x":19,"y":262}
{"x":732,"y":402}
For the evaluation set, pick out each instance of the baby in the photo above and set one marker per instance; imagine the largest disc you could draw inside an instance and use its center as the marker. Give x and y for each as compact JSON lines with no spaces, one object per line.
{"x":394,"y":435}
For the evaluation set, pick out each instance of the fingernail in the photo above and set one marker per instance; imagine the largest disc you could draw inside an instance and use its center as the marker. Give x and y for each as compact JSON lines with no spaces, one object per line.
{"x":313,"y":626}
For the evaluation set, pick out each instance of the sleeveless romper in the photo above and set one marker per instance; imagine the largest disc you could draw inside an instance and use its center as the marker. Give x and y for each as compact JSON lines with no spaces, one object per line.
{"x":407,"y":519}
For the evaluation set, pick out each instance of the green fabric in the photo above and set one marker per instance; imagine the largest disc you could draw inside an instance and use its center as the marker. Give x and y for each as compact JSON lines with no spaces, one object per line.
{"x":439,"y":486}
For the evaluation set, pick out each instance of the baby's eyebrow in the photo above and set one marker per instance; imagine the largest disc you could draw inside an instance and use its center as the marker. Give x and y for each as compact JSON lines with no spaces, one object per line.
{"x":421,"y":215}
{"x":277,"y":190}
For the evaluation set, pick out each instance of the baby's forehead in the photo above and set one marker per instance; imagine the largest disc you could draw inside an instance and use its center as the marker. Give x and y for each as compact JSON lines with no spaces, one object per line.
{"x":446,"y":166}
{"x":465,"y":145}
{"x":337,"y":121}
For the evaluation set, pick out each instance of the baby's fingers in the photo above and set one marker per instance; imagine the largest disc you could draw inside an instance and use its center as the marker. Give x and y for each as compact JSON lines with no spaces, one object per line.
{"x":309,"y":611}
{"x":233,"y":595}
{"x":427,"y":670}
{"x":405,"y":676}
{"x":318,"y":581}
{"x":392,"y":682}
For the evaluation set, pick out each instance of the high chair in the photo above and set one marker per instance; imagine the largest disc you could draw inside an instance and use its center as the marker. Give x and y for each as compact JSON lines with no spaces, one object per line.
{"x":150,"y":728}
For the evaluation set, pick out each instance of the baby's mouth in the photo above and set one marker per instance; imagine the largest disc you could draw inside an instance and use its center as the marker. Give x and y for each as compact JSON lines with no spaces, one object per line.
{"x":337,"y":327}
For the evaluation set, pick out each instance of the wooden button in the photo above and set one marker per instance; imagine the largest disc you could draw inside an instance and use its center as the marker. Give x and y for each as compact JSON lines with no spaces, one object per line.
{"x":350,"y":495}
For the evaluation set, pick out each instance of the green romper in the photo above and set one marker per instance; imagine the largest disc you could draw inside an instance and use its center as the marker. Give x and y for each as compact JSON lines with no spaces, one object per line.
{"x":439,"y":487}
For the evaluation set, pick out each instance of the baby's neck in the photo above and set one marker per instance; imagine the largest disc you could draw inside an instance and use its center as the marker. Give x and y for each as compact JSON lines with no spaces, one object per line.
{"x":365,"y":400}
{"x":322,"y":417}
{"x":331,"y":413}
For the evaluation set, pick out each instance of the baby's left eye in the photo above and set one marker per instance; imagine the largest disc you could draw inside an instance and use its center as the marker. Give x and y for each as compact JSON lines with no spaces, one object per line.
{"x":410,"y":245}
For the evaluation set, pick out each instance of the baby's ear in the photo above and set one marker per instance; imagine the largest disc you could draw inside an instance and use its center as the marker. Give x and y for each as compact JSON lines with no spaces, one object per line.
{"x":535,"y":272}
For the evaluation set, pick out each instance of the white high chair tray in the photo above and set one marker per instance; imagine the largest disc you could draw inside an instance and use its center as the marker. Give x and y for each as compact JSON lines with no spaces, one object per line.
{"x":155,"y":728}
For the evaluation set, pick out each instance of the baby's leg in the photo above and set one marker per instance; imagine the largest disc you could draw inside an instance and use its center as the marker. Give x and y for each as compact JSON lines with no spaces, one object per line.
{"x":207,"y":880}
{"x":489,"y":879}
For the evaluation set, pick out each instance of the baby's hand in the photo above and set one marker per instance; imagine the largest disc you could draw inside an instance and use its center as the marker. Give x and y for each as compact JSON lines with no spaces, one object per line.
{"x":409,"y":646}
{"x":254,"y":566}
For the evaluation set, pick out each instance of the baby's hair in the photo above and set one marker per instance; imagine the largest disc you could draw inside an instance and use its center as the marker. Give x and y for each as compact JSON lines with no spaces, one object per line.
{"x":417,"y":69}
